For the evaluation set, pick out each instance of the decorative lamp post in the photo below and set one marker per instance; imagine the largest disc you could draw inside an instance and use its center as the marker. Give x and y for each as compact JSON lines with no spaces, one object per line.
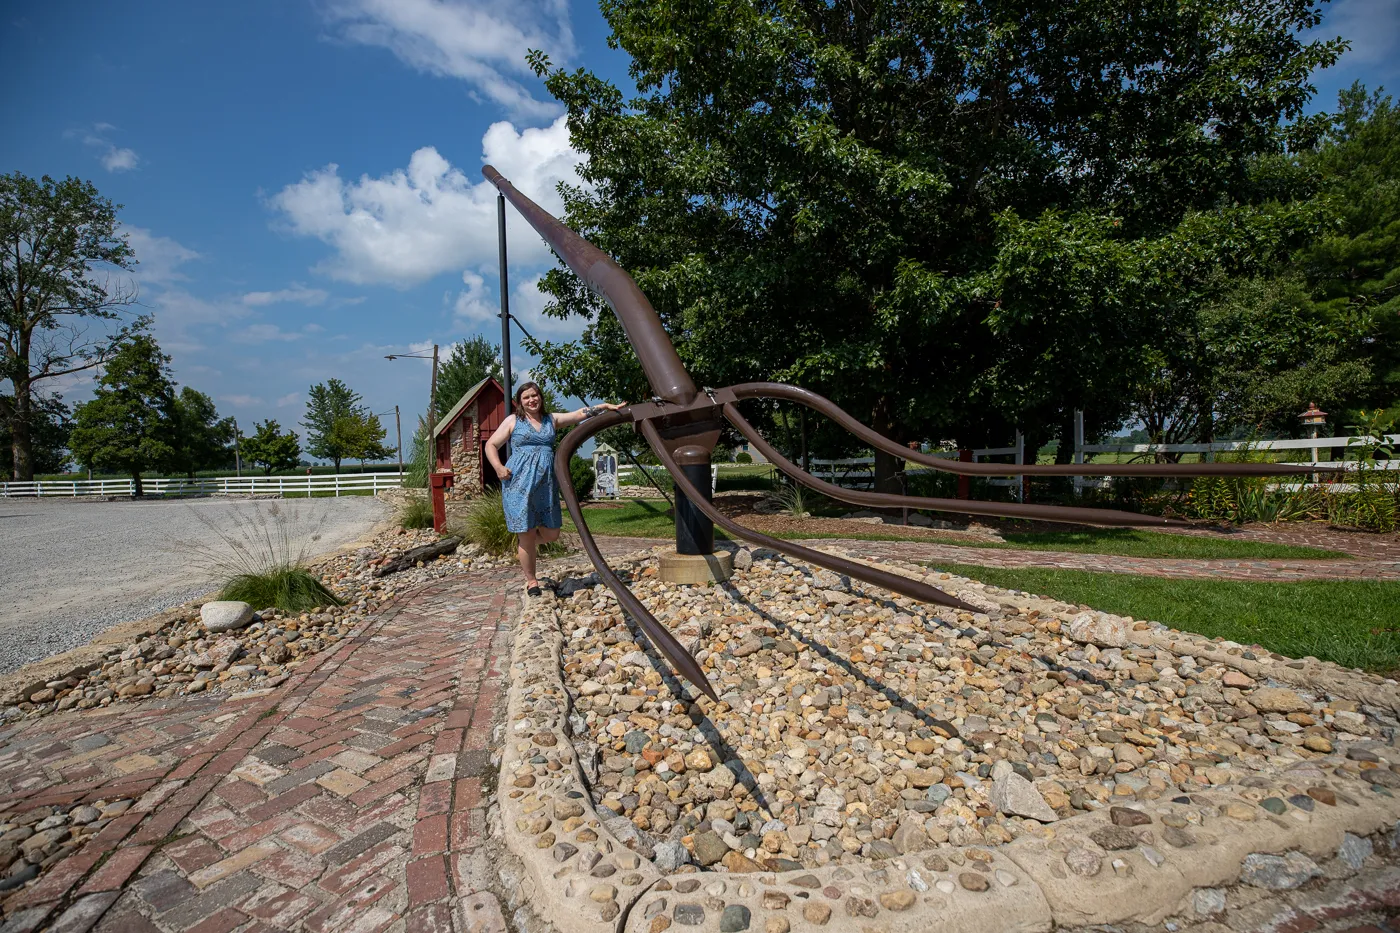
{"x":1313,"y":420}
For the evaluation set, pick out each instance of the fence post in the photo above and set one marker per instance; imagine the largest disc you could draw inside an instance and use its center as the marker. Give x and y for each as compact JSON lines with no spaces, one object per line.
{"x":1020,"y":461}
{"x":1078,"y":448}
{"x":965,"y":482}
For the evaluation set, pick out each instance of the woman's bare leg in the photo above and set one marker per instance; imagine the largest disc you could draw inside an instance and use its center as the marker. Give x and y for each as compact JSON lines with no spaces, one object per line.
{"x":525,"y":551}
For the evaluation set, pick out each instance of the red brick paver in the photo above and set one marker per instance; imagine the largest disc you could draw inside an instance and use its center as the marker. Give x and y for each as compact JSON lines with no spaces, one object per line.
{"x":348,"y":799}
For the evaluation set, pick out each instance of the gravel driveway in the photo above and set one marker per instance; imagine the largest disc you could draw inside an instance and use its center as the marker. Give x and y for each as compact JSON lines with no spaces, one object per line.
{"x":71,"y":569}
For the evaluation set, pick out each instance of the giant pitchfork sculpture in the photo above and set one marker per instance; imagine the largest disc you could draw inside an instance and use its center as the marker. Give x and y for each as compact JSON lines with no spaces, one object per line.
{"x":682,"y":425}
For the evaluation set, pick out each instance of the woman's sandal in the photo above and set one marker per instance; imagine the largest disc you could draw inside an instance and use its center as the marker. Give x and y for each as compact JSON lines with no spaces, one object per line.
{"x":533,"y":591}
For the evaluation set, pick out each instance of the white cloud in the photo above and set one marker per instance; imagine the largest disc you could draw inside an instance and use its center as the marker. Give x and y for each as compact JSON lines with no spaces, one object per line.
{"x":299,"y":294}
{"x":412,"y":224}
{"x":120,"y":160}
{"x":158,"y":258}
{"x":482,"y":42}
{"x":242,"y":401}
{"x":527,"y":304}
{"x":1372,"y":27}
{"x":114,"y":158}
{"x":262,"y":333}
{"x":286,"y":401}
{"x":474,"y":307}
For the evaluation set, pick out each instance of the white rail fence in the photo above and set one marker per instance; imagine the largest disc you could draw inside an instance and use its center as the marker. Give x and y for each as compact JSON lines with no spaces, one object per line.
{"x":860,"y":471}
{"x":337,"y":484}
{"x":628,"y":471}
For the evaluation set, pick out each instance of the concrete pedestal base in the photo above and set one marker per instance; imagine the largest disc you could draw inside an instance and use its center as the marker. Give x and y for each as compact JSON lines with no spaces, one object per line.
{"x":696,"y":568}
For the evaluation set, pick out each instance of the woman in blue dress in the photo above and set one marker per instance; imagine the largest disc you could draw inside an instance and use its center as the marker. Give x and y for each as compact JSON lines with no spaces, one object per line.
{"x":528,"y":492}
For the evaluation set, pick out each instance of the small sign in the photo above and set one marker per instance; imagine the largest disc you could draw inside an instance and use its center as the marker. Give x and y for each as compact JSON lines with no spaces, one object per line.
{"x":605,"y":468}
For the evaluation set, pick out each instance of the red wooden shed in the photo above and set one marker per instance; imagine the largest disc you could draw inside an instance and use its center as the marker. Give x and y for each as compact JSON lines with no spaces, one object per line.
{"x":460,"y":439}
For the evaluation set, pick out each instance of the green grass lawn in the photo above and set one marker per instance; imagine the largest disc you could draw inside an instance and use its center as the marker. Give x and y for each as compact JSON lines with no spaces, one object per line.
{"x":1351,"y":622}
{"x":1135,"y":542}
{"x":644,"y":518}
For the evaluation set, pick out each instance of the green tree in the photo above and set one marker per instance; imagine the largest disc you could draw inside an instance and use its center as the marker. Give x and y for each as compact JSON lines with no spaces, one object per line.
{"x":826,"y":193}
{"x":128,"y":425}
{"x":360,"y":435}
{"x":469,"y":362}
{"x":327,"y":403}
{"x":1355,"y":270}
{"x":201,"y":439}
{"x":271,"y":449}
{"x":50,"y":421}
{"x":59,"y":314}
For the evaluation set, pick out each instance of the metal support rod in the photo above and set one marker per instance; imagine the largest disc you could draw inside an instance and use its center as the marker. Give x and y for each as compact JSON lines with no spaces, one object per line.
{"x":237,"y":452}
{"x":893,"y":582}
{"x":880,"y":442}
{"x":660,"y":636}
{"x":505,"y":300}
{"x":884,"y":500}
{"x":398,"y":434}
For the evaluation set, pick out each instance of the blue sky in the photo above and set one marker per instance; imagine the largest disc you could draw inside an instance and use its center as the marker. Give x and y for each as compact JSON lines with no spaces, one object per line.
{"x":301,"y":178}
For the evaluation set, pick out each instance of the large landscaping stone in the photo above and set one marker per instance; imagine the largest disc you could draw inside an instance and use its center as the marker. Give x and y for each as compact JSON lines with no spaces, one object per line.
{"x":1098,"y":628}
{"x":225,"y":615}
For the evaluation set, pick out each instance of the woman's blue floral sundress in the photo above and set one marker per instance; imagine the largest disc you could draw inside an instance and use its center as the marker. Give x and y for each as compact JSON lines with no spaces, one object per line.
{"x":530,"y":497}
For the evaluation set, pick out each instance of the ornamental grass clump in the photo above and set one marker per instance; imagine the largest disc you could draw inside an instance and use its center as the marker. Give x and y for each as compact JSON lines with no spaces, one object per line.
{"x":291,"y":589}
{"x":417,"y":512}
{"x":261,"y":560}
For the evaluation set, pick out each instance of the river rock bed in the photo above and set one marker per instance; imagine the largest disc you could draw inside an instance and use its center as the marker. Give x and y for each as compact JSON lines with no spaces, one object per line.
{"x":182,"y":658}
{"x":853,"y":726}
{"x":33,"y":841}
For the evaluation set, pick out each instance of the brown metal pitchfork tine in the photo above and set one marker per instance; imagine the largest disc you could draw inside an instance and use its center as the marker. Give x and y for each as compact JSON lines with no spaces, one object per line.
{"x":902,"y":585}
{"x":881,"y":500}
{"x":660,"y":636}
{"x":829,"y":408}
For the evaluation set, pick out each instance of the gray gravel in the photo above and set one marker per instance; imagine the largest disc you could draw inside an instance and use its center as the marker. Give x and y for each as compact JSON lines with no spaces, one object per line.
{"x":71,"y":569}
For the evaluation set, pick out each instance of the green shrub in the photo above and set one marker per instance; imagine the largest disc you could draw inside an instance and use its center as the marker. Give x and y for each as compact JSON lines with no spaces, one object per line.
{"x":420,"y":456}
{"x":289,"y":588}
{"x":417,"y":512}
{"x":659,"y":477}
{"x":742,"y":457}
{"x":581,"y":472}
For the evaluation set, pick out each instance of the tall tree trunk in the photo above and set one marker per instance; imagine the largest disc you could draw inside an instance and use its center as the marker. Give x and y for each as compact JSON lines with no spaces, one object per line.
{"x":889,"y":469}
{"x":21,"y":444}
{"x":136,"y":479}
{"x":1065,"y":452}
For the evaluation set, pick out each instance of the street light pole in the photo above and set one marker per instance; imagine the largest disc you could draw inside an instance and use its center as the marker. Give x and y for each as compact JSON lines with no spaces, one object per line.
{"x":505,"y":300}
{"x":432,"y":401}
{"x":237,"y":452}
{"x":398,"y":433}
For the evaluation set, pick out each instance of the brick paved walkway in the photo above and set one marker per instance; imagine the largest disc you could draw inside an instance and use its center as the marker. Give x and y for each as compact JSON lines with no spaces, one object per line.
{"x":349,"y":799}
{"x":1231,"y":569}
